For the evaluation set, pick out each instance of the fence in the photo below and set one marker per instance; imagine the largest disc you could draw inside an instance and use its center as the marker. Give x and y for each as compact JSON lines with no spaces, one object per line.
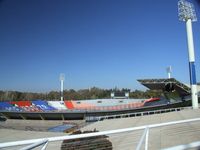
{"x":143,"y":142}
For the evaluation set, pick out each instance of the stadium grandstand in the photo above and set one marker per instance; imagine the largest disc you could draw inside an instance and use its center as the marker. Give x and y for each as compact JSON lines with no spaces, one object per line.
{"x":74,"y":109}
{"x":96,"y":104}
{"x":121,"y":123}
{"x":81,"y":109}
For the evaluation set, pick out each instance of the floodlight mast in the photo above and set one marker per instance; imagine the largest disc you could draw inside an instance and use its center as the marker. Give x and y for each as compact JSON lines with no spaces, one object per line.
{"x":186,"y":13}
{"x":62,"y":78}
{"x":169,"y":71}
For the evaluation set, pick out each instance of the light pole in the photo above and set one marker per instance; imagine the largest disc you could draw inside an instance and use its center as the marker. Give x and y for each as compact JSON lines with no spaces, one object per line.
{"x":169,"y":71}
{"x":62,"y":78}
{"x":187,"y":14}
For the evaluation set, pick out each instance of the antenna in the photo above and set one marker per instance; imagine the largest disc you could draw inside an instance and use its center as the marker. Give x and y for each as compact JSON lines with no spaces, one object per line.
{"x":169,"y":71}
{"x":62,"y":78}
{"x":186,"y":13}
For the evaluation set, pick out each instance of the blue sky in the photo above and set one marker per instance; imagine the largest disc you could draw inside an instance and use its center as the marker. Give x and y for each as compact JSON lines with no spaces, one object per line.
{"x":102,"y":43}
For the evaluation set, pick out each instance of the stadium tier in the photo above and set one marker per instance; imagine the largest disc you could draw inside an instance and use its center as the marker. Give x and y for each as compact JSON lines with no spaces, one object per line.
{"x":108,"y":104}
{"x":78,"y":111}
{"x":97,"y":104}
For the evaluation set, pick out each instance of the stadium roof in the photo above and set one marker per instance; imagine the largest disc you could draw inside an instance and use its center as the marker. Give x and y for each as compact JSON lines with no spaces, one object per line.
{"x":160,"y":84}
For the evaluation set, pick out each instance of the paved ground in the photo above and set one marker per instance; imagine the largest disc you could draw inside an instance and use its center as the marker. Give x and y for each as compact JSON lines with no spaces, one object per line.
{"x":15,"y":135}
{"x":14,"y":130}
{"x":158,"y":138}
{"x":35,"y":125}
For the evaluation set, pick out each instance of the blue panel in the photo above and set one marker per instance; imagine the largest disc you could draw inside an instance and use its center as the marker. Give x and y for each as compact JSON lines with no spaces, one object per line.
{"x":192,"y":73}
{"x":43,"y":105}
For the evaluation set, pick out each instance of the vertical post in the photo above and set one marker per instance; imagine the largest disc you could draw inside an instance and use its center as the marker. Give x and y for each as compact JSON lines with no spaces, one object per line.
{"x":192,"y":71}
{"x":142,"y":139}
{"x":147,"y":139}
{"x":45,"y":146}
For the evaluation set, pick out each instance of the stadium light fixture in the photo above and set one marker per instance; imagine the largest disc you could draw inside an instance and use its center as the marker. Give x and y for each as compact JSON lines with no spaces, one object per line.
{"x":186,"y":13}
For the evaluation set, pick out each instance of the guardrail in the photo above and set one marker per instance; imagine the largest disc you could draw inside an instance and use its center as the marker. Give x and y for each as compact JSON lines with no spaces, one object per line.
{"x":44,"y":141}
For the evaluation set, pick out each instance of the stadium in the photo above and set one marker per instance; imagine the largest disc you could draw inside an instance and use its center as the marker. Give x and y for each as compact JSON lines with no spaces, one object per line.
{"x":169,"y":122}
{"x":97,"y":108}
{"x":91,"y":117}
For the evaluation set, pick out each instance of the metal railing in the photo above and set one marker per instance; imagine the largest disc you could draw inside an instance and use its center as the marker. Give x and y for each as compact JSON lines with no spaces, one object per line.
{"x":44,"y":141}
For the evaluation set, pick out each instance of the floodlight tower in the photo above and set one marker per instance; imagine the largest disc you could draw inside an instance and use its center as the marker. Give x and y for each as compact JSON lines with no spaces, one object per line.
{"x":169,"y":71}
{"x":62,"y":78}
{"x":186,"y":13}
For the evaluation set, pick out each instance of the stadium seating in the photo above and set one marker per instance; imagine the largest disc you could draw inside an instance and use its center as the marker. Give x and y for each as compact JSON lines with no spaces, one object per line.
{"x":96,"y":104}
{"x":26,"y":105}
{"x":156,"y":102}
{"x":21,"y":103}
{"x":109,"y":102}
{"x":69,"y":104}
{"x":106,"y":104}
{"x":58,"y":105}
{"x":43,"y":105}
{"x":82,"y":105}
{"x":8,"y":107}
